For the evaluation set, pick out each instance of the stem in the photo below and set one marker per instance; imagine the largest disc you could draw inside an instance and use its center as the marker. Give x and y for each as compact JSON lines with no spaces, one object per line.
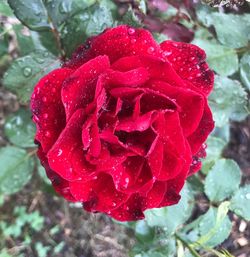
{"x":190,"y":248}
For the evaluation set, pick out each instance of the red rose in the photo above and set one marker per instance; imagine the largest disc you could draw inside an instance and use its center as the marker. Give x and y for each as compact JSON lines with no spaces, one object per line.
{"x":122,"y":124}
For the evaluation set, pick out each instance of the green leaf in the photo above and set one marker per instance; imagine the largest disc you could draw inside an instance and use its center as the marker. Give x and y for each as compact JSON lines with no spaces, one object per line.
{"x":143,"y":232}
{"x":240,"y":202}
{"x":16,"y":169}
{"x":163,"y":217}
{"x":32,"y":14}
{"x":245,"y":69}
{"x":5,"y":9}
{"x":42,"y":250}
{"x":131,"y":19}
{"x":25,"y":72}
{"x":217,"y":188}
{"x":231,"y":29}
{"x":228,"y":100}
{"x":214,"y":227}
{"x":19,"y":128}
{"x":85,"y":24}
{"x":63,"y":10}
{"x":25,"y":43}
{"x":222,"y":60}
{"x":222,"y":132}
{"x":214,"y":149}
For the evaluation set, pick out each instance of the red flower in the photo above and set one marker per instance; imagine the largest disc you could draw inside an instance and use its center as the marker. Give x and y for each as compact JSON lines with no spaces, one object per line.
{"x":122,"y":124}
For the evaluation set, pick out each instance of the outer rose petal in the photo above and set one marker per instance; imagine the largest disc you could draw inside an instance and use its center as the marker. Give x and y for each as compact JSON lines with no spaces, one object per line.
{"x":115,"y":43}
{"x":98,"y":194}
{"x":47,"y":108}
{"x":129,"y":211}
{"x":175,"y":185}
{"x":66,"y":157}
{"x":79,"y":89}
{"x":155,"y":195}
{"x":60,"y":185}
{"x":189,"y":62}
{"x":204,"y":129}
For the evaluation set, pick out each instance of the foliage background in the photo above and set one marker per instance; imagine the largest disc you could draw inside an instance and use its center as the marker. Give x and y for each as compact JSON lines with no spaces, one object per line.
{"x":211,"y":219}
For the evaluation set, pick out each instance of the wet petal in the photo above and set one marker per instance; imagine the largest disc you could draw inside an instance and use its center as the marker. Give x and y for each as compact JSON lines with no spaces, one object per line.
{"x":47,"y":108}
{"x":127,"y":41}
{"x":98,"y":194}
{"x":201,"y":133}
{"x":79,"y":88}
{"x":189,"y":62}
{"x":155,"y":195}
{"x":157,"y":67}
{"x":175,"y":185}
{"x":66,"y":157}
{"x":130,"y":210}
{"x":60,"y":185}
{"x":132,"y":78}
{"x":191,"y":104}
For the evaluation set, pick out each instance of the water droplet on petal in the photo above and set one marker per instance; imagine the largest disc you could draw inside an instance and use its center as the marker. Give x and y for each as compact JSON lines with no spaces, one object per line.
{"x":131,"y":31}
{"x":150,"y":50}
{"x":47,"y":134}
{"x":133,"y":40}
{"x":166,"y":53}
{"x":60,"y":151}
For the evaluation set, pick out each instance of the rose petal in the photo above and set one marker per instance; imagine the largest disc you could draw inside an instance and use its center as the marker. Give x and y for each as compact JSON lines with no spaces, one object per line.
{"x":168,"y":127}
{"x":158,"y":68}
{"x":204,"y":129}
{"x":60,"y":185}
{"x":98,"y":194}
{"x":155,"y":157}
{"x":130,"y":210}
{"x":115,"y":43}
{"x":79,"y":88}
{"x":66,"y":157}
{"x":155,"y":195}
{"x":141,"y":123}
{"x":189,"y":62}
{"x":132,"y":78}
{"x":190,"y":102}
{"x":47,"y":108}
{"x":175,"y":185}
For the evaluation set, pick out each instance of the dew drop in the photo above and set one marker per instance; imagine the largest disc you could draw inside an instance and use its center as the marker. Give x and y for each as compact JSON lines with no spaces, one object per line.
{"x":39,"y":60}
{"x":133,"y":41}
{"x":47,"y":134}
{"x":131,"y":31}
{"x":60,"y":151}
{"x":166,"y":53}
{"x":44,"y":99}
{"x":27,"y":71}
{"x":247,"y":196}
{"x":150,"y":50}
{"x":45,"y":115}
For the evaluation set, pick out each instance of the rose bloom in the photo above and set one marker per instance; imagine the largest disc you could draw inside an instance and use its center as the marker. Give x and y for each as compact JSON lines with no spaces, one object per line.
{"x":122,"y":124}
